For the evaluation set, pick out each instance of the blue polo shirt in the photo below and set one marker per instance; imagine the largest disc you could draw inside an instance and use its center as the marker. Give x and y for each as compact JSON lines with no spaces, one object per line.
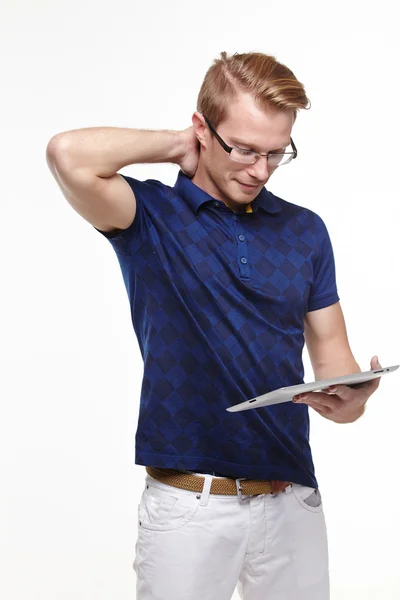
{"x":218,"y":301}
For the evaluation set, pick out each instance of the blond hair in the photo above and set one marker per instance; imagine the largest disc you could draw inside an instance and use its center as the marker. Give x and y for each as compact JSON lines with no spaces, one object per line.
{"x":272,"y":85}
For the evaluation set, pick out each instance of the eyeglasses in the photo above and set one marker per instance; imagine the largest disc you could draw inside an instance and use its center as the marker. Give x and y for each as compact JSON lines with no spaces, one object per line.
{"x":249,"y":157}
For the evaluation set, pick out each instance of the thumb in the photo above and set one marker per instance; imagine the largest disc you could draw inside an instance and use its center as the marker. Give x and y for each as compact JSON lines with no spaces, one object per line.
{"x":375,"y":364}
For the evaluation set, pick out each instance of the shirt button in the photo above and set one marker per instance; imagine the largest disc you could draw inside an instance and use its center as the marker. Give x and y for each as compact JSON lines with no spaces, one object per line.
{"x":241,"y":237}
{"x":243,"y":260}
{"x":216,"y":204}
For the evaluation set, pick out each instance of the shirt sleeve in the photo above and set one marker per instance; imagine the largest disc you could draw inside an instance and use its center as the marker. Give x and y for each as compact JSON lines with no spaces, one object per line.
{"x":147,"y":193}
{"x":323,"y":291}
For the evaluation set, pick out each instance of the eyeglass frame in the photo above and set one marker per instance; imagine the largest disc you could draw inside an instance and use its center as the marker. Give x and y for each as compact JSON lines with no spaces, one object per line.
{"x":229,"y":149}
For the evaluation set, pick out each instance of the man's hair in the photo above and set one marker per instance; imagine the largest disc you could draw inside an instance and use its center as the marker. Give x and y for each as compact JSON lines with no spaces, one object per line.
{"x":272,"y":85}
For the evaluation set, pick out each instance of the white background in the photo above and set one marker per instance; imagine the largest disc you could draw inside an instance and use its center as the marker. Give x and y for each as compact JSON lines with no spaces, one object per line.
{"x":70,"y":364}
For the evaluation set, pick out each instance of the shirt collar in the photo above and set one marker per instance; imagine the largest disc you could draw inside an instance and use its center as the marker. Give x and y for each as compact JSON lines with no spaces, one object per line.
{"x":195,"y":196}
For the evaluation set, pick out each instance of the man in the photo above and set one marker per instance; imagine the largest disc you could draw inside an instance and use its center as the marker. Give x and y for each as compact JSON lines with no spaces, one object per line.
{"x":226,"y":281}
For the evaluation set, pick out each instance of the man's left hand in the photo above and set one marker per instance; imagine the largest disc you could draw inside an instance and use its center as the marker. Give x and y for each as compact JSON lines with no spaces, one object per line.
{"x":343,"y":404}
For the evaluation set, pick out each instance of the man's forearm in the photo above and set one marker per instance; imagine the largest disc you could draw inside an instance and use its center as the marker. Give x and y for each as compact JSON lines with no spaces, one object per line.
{"x":336,"y":368}
{"x":105,"y":150}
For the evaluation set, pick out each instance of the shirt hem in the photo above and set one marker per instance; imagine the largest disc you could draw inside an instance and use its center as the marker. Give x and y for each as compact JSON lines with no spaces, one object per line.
{"x":196,"y":464}
{"x":323,"y":302}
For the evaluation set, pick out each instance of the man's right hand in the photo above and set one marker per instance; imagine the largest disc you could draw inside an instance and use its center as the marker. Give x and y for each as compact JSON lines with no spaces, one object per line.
{"x":191,"y":151}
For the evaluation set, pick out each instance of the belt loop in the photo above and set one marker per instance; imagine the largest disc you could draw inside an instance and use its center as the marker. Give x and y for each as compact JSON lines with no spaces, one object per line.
{"x":239,"y":488}
{"x":289,"y":488}
{"x":206,"y":490}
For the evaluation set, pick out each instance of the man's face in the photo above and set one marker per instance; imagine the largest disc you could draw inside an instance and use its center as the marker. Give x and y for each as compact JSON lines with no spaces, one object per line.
{"x":249,"y":127}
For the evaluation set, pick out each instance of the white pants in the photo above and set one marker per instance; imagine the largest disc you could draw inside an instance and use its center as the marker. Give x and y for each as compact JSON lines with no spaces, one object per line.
{"x":200,"y":546}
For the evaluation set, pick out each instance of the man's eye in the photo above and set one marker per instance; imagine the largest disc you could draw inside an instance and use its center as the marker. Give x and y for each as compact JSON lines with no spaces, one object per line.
{"x":244,"y":152}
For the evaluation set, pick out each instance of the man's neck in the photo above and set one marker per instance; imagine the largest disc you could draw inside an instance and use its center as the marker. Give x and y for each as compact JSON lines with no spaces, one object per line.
{"x":201,"y":180}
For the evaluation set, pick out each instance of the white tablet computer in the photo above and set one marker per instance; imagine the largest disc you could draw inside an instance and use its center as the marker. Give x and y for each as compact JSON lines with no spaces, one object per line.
{"x":286,"y":394}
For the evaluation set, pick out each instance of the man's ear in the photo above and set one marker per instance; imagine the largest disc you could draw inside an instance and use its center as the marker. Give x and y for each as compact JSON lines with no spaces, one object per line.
{"x":200,"y":128}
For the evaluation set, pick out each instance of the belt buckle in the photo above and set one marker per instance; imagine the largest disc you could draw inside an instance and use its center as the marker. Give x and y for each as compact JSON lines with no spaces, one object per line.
{"x":239,"y":487}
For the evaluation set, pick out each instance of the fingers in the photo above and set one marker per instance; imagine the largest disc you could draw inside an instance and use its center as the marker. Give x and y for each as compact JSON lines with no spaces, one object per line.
{"x":331,"y":401}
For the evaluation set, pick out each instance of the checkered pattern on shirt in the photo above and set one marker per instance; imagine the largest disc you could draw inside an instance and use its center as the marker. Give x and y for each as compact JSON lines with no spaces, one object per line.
{"x":214,"y":330}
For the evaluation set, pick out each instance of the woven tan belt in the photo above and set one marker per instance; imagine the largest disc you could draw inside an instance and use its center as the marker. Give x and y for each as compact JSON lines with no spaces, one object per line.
{"x":240,"y":486}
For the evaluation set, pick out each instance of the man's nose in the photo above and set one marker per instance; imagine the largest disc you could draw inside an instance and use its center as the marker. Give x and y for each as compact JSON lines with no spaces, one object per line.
{"x":260,"y":168}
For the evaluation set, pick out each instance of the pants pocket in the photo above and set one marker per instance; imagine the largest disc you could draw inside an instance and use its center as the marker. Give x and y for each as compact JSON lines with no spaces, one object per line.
{"x":309,"y":498}
{"x":166,"y":509}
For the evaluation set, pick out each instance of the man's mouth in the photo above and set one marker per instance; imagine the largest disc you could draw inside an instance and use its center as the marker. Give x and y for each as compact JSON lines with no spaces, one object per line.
{"x":248,"y":185}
